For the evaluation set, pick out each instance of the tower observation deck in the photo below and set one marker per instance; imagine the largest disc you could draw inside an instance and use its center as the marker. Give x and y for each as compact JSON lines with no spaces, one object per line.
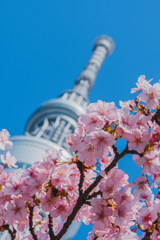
{"x":57,"y":118}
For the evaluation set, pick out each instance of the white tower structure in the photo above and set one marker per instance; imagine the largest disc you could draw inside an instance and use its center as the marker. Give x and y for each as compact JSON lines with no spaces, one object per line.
{"x":57,"y":118}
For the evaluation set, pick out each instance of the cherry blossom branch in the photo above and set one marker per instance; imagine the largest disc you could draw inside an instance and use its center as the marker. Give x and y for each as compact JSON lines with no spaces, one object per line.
{"x":90,"y":141}
{"x":50,"y":226}
{"x":82,"y":198}
{"x":12,"y":234}
{"x":31,"y":229}
{"x":107,"y":169}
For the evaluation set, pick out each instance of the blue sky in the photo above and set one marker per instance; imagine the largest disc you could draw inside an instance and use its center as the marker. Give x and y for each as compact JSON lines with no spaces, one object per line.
{"x":45,"y":44}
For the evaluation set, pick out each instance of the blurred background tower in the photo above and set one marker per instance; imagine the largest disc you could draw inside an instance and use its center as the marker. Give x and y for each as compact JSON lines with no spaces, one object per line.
{"x":57,"y":118}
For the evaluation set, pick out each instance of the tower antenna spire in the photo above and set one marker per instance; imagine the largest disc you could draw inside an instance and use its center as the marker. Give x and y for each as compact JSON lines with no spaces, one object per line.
{"x":103,"y":47}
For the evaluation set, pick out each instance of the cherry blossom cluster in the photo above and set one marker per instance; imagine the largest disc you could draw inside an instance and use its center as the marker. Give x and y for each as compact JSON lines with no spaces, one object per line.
{"x":48,"y":196}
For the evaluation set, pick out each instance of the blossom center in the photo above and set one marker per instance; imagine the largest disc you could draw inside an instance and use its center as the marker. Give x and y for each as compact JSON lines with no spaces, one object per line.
{"x":17,"y":209}
{"x":90,"y":148}
{"x":151,"y":94}
{"x":147,"y":218}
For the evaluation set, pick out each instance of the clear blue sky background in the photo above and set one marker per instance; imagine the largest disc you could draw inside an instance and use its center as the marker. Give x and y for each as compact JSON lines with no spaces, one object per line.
{"x":45,"y":44}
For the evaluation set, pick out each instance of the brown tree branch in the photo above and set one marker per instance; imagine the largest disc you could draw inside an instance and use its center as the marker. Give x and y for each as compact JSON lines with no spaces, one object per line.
{"x":135,"y":152}
{"x":13,"y":236}
{"x":31,"y":229}
{"x":71,"y":217}
{"x":115,"y":150}
{"x":6,"y":227}
{"x":156,"y":117}
{"x":147,"y":236}
{"x":81,"y":170}
{"x":50,"y":226}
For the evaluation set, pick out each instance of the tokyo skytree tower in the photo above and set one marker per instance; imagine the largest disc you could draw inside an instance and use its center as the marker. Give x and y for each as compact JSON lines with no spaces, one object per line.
{"x":57,"y":118}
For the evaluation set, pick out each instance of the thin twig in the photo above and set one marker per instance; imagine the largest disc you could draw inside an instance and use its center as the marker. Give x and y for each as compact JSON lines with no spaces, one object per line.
{"x":135,"y":152}
{"x":12,"y":234}
{"x":95,"y":194}
{"x":31,"y":229}
{"x":50,"y":226}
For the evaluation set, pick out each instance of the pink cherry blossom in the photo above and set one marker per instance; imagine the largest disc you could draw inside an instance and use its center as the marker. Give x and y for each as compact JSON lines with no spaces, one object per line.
{"x":71,"y":187}
{"x":36,"y":215}
{"x":145,"y":196}
{"x":42,"y":236}
{"x":16,"y":210}
{"x":20,"y":225}
{"x":141,"y":184}
{"x":62,"y":209}
{"x":122,"y":213}
{"x":14,"y":183}
{"x":107,"y":158}
{"x":146,"y":217}
{"x":124,"y":196}
{"x":4,"y":142}
{"x":140,"y":84}
{"x":90,"y":175}
{"x":88,"y":153}
{"x":50,"y":159}
{"x":9,"y":161}
{"x":101,"y":214}
{"x":73,"y":140}
{"x":125,"y":119}
{"x":48,"y":202}
{"x":92,"y":121}
{"x":150,"y":162}
{"x":137,"y":139}
{"x":4,"y":198}
{"x":106,"y":111}
{"x":150,"y":95}
{"x":101,"y":139}
{"x":128,"y":104}
{"x":142,"y":120}
{"x":36,"y":186}
{"x":109,"y":188}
